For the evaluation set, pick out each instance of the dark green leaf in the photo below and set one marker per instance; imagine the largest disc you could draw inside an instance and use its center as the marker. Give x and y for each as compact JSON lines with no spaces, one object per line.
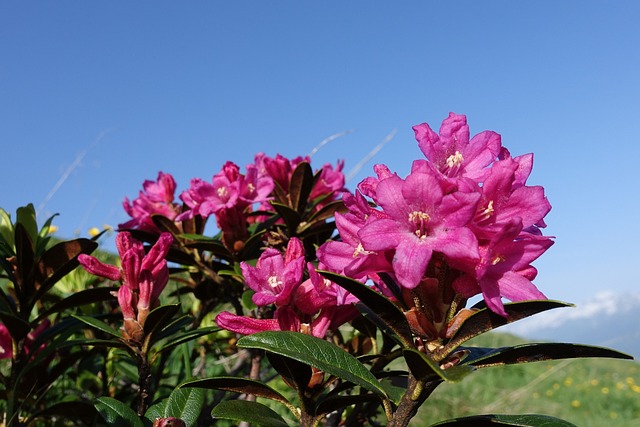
{"x":59,"y":261}
{"x":188,"y":336}
{"x":24,"y":263}
{"x":535,"y":352}
{"x":116,"y":413}
{"x":384,"y":313}
{"x":87,"y":296}
{"x":17,"y":327}
{"x":485,"y":320}
{"x":528,"y":420}
{"x":318,"y":353}
{"x":253,"y":412}
{"x":98,"y":324}
{"x":26,"y":217}
{"x":327,"y":211}
{"x":160,"y":317}
{"x":6,"y":234}
{"x":237,"y":385}
{"x":165,"y":224}
{"x":185,"y":404}
{"x":296,"y":374}
{"x":426,"y":369}
{"x":300,"y":186}
{"x":154,"y":411}
{"x":334,"y":403}
{"x":69,"y":410}
{"x":291,"y":217}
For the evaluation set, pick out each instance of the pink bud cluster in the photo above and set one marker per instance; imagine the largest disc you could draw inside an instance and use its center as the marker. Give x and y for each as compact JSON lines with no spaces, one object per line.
{"x":156,"y":198}
{"x":467,"y":201}
{"x":143,"y":278}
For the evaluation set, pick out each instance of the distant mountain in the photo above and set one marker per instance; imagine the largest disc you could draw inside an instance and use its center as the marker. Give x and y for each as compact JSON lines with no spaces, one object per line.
{"x":608,"y":320}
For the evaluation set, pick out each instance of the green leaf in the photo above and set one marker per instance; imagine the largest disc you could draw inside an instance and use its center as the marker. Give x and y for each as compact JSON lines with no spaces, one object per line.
{"x":291,"y":218}
{"x":426,"y":369}
{"x":86,"y":296}
{"x":528,"y":420}
{"x":238,"y":385}
{"x":384,"y":313}
{"x":253,"y":412}
{"x":335,"y":403}
{"x":116,"y":413}
{"x":485,"y":320}
{"x":6,"y":234}
{"x":154,"y":411}
{"x":160,"y":317}
{"x":26,"y":216}
{"x":17,"y":327}
{"x":318,"y":353}
{"x":295,"y":374}
{"x":534,"y":352}
{"x":59,"y":261}
{"x":98,"y":324}
{"x":300,"y":186}
{"x":185,"y":404}
{"x":188,"y":336}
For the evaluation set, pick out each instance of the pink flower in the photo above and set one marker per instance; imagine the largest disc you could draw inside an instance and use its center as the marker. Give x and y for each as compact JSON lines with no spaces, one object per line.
{"x":156,"y":198}
{"x":421,"y":219}
{"x":143,"y":277}
{"x":504,"y":269}
{"x":6,"y":342}
{"x":274,"y":278}
{"x":452,"y":153}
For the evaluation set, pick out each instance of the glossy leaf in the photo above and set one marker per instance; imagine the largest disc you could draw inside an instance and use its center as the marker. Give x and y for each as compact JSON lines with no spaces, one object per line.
{"x":535,"y":352}
{"x":334,"y":403}
{"x":187,"y":336}
{"x":26,"y":217}
{"x":384,"y":313}
{"x":98,"y":324}
{"x":485,"y":320}
{"x":86,"y":296}
{"x":116,"y":413}
{"x":185,"y":404}
{"x":17,"y":327}
{"x":296,"y":374}
{"x":290,"y":217}
{"x":527,"y":420}
{"x":237,"y":385}
{"x":426,"y":369}
{"x":316,"y":352}
{"x":59,"y":261}
{"x":24,"y":263}
{"x":252,"y":412}
{"x":6,"y":234}
{"x":160,"y":317}
{"x":300,"y":186}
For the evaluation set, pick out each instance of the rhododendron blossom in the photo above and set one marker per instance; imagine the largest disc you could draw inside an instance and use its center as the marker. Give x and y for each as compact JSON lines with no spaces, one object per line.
{"x":156,"y":198}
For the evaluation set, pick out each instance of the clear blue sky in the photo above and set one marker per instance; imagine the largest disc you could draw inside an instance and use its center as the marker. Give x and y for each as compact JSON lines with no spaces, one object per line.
{"x":125,"y":89}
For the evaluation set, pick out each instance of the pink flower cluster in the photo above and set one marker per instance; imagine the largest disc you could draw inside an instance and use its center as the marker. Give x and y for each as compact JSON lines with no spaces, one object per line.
{"x":143,"y":277}
{"x":311,"y":306}
{"x":230,"y":196}
{"x":468,"y":201}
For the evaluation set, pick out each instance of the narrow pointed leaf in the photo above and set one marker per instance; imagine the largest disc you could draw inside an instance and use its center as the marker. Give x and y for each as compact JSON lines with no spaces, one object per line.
{"x":87,"y":296}
{"x":290,"y":217}
{"x":25,"y":259}
{"x":160,"y":317}
{"x":237,"y":385}
{"x":116,"y":413}
{"x":165,"y":224}
{"x":424,"y":368}
{"x":327,"y":211}
{"x":485,"y":320}
{"x":296,"y":374}
{"x":382,"y":311}
{"x":318,"y":353}
{"x":185,"y":404}
{"x":26,"y":217}
{"x":527,"y":420}
{"x":535,"y":352}
{"x":300,"y":186}
{"x":252,"y":412}
{"x":98,"y":324}
{"x":17,"y":327}
{"x":188,"y":336}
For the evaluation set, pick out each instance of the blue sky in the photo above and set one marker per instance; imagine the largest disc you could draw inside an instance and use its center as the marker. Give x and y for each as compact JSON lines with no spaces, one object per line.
{"x":112,"y":92}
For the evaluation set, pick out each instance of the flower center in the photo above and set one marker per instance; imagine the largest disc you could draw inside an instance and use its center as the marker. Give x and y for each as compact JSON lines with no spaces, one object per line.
{"x":222,"y":192}
{"x":420,"y":220}
{"x":275,"y":283}
{"x":455,"y":159}
{"x":497,"y":259}
{"x":486,"y":213}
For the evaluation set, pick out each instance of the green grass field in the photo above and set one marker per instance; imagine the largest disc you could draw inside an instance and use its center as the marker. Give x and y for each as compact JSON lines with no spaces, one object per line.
{"x":586,"y":392}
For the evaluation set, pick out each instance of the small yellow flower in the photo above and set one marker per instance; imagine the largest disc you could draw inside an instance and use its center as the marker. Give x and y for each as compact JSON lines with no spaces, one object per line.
{"x":568,"y":381}
{"x":94,"y":231}
{"x":605,"y":390}
{"x":53,"y":229}
{"x":556,"y":386}
{"x":549,"y":393}
{"x":629,"y":380}
{"x":613,"y":415}
{"x":594,"y":382}
{"x":575,"y":403}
